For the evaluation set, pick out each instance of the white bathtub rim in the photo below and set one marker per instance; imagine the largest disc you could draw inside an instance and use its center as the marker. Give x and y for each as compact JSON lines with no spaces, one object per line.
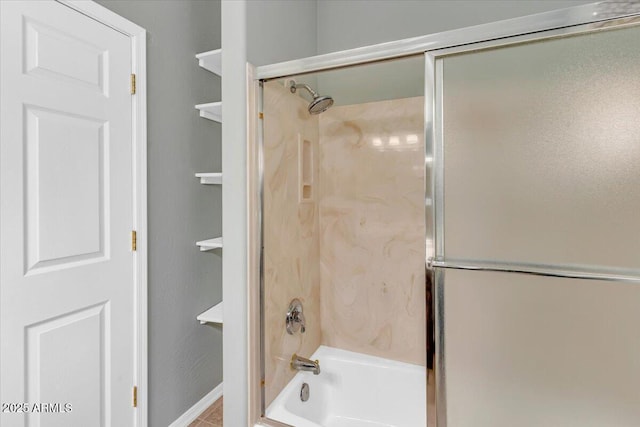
{"x":334,"y":353}
{"x":280,"y":410}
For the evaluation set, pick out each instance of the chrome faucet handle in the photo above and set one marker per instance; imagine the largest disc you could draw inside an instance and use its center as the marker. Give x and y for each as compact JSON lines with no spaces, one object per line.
{"x":300,"y":319}
{"x":295,"y":320}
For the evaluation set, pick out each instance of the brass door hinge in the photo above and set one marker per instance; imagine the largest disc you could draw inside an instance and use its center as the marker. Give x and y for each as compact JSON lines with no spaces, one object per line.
{"x":134,"y":240}
{"x":260,"y":115}
{"x":135,"y":396}
{"x":133,"y":84}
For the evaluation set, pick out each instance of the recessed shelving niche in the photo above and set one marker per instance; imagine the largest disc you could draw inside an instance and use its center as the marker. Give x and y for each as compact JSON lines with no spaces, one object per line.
{"x":211,"y":61}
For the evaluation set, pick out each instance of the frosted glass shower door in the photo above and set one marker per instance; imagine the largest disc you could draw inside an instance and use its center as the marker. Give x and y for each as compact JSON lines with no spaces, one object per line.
{"x":537,"y":144}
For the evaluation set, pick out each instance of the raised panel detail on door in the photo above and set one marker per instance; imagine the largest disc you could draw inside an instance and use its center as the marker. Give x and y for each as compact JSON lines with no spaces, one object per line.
{"x":52,"y":53}
{"x":73,"y":346}
{"x":65,"y":196}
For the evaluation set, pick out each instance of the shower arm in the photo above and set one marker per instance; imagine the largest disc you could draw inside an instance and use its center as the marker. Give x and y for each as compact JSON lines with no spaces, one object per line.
{"x":294,"y":87}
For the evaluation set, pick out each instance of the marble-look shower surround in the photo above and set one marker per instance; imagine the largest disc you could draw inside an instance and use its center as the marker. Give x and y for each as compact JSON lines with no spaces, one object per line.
{"x":354,"y":255}
{"x":372,"y":229}
{"x":291,"y":239}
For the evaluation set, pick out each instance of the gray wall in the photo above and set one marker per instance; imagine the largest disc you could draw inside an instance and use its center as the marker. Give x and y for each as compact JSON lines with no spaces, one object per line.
{"x":185,"y":358}
{"x":280,"y":30}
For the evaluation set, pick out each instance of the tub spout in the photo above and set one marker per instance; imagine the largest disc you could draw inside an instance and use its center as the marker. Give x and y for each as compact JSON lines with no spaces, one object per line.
{"x":300,"y":363}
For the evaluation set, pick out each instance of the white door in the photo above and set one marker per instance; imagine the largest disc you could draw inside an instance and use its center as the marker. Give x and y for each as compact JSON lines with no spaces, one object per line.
{"x":66,"y":214}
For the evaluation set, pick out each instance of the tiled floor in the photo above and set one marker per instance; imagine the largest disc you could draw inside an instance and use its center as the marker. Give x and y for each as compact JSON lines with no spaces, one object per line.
{"x":212,"y":417}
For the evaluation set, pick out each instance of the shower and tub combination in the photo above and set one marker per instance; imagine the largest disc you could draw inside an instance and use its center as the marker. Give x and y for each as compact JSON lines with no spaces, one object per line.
{"x":451,"y":237}
{"x":344,"y":256}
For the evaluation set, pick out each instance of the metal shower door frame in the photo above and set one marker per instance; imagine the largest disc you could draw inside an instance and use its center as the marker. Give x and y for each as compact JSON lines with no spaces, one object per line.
{"x":558,"y":23}
{"x":434,"y":148}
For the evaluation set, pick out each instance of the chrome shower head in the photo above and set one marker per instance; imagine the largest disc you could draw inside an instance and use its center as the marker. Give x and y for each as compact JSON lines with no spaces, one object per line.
{"x":320,"y":103}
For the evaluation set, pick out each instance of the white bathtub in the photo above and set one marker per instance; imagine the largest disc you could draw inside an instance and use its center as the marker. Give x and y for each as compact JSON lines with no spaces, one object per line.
{"x":354,"y":390}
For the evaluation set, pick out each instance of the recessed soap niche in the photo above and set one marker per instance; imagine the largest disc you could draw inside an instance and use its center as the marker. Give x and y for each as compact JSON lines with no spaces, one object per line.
{"x":306,"y":187}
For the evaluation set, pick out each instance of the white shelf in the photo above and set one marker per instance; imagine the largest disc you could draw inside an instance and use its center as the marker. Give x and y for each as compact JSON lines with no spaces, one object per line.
{"x":213,"y":315}
{"x":210,"y":178}
{"x":211,"y":111}
{"x":211,"y":61}
{"x":207,"y":245}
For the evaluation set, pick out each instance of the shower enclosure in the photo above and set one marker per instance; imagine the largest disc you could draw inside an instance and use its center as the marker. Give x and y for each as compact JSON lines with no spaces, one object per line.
{"x":459,"y":228}
{"x":344,"y":255}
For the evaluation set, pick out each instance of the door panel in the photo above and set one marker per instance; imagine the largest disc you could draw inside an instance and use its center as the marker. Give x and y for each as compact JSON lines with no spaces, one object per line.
{"x":531,"y":351}
{"x":541,"y":151}
{"x":70,"y":345}
{"x":55,"y":53}
{"x":540,"y":147}
{"x":66,"y":213}
{"x":65,"y":160}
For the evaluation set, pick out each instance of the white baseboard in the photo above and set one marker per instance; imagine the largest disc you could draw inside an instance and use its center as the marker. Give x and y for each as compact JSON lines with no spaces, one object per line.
{"x":192,"y":413}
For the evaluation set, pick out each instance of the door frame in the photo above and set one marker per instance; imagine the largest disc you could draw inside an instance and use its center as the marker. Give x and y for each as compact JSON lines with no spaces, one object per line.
{"x":138,"y":38}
